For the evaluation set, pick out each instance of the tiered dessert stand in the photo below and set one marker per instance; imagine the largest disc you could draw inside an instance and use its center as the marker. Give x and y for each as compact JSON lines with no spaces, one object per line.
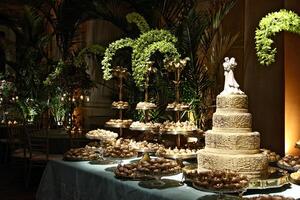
{"x":121,"y":73}
{"x":146,"y":125}
{"x":177,"y":106}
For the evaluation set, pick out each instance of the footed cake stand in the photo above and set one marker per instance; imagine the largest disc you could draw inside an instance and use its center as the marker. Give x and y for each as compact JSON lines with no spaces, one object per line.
{"x":146,"y":109}
{"x":178,"y":106}
{"x":121,"y":73}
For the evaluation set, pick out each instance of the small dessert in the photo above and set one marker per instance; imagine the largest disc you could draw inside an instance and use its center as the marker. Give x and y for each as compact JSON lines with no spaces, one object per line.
{"x":101,"y":134}
{"x":119,"y":151}
{"x":126,"y":171}
{"x":176,"y":152}
{"x":178,"y":106}
{"x":158,"y":166}
{"x":186,"y":126}
{"x":269,"y":197}
{"x":120,"y":104}
{"x":145,"y":106}
{"x":295,"y":176}
{"x":81,"y":154}
{"x":147,"y":146}
{"x":145,"y":126}
{"x":218,"y":180}
{"x":290,"y":161}
{"x":272,"y":156}
{"x":119,"y":122}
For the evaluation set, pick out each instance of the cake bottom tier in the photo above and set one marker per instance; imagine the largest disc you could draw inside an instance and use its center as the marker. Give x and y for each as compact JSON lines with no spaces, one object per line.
{"x":251,"y":165}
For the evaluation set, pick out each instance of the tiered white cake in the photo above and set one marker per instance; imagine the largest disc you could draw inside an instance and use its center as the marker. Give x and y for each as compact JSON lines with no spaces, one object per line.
{"x":231,"y":144}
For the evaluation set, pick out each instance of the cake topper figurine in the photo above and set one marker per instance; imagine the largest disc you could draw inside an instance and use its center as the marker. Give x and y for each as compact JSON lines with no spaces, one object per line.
{"x":230,"y":85}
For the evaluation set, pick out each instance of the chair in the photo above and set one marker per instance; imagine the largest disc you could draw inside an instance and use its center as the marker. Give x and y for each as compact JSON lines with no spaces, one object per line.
{"x":38,"y":147}
{"x":15,"y":143}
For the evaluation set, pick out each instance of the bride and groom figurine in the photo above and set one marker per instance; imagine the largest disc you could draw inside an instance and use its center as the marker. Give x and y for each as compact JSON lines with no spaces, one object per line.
{"x":230,"y":85}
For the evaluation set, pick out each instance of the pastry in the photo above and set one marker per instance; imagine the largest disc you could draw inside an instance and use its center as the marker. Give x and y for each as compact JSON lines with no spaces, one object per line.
{"x":81,"y":154}
{"x":145,"y":106}
{"x":218,"y":180}
{"x":296,"y":175}
{"x":145,"y":126}
{"x":290,"y":161}
{"x":178,"y":106}
{"x":119,"y":122}
{"x":176,"y":152}
{"x":119,"y":151}
{"x":186,"y":126}
{"x":101,"y":134}
{"x":272,"y":156}
{"x":120,"y":104}
{"x":146,"y":146}
{"x":158,"y":166}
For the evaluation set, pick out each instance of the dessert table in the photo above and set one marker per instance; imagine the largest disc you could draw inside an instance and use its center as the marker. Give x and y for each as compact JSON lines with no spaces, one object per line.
{"x":81,"y":180}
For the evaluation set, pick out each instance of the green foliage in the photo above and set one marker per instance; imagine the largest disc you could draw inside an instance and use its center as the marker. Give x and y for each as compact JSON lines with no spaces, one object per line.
{"x":139,"y":21}
{"x":57,"y":108}
{"x":93,"y":50}
{"x":269,"y":25}
{"x":110,"y":52}
{"x":69,"y":78}
{"x":143,"y":47}
{"x":147,"y":44}
{"x":30,"y":109}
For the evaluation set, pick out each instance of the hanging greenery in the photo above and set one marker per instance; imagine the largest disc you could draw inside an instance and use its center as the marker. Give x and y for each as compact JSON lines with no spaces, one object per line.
{"x":143,"y":47}
{"x":110,"y":52}
{"x":139,"y":20}
{"x":271,"y":24}
{"x":93,"y":50}
{"x":164,"y":47}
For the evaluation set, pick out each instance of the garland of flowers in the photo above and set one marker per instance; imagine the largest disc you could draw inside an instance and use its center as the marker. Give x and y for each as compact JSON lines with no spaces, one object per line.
{"x":165,"y":47}
{"x":110,"y":52}
{"x":139,"y":21}
{"x":271,"y":24}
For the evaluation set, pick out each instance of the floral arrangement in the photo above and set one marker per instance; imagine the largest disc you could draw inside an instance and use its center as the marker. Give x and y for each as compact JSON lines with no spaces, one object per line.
{"x":143,"y":47}
{"x":271,"y":24}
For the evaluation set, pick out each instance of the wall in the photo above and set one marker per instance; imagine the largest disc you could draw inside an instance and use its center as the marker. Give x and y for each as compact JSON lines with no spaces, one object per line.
{"x":292,"y":86}
{"x":264,"y":85}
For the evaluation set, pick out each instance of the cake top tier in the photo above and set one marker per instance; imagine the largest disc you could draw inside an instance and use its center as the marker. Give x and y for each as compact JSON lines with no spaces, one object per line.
{"x":239,"y":101}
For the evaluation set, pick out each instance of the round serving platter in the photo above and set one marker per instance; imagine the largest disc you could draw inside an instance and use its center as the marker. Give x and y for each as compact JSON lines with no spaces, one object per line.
{"x":145,"y":150}
{"x":178,"y":156}
{"x":153,"y":130}
{"x":146,"y":107}
{"x":120,"y":107}
{"x":119,"y":125}
{"x":276,"y":178}
{"x":178,"y":132}
{"x":103,"y":162}
{"x":225,"y":191}
{"x":290,"y":169}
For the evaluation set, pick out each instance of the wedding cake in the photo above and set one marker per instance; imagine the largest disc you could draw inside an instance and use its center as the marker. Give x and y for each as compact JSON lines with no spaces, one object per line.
{"x":231,"y":144}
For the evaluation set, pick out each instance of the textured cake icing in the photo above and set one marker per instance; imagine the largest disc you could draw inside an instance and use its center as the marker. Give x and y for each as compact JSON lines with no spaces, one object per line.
{"x":231,"y":144}
{"x":235,"y":142}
